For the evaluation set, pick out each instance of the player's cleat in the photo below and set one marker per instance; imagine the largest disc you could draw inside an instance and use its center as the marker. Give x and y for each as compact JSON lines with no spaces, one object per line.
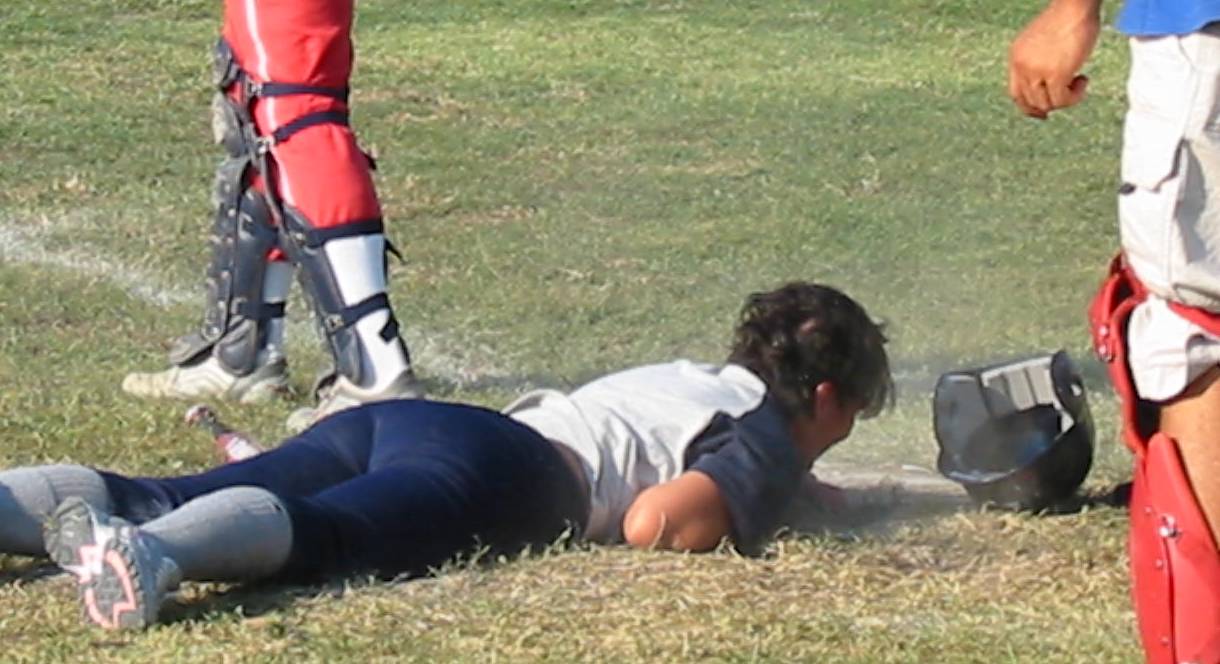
{"x":122,"y":576}
{"x":340,"y":394}
{"x":209,"y":379}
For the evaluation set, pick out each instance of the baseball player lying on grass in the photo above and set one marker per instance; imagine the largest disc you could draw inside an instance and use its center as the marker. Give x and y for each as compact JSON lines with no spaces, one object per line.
{"x":672,"y":456}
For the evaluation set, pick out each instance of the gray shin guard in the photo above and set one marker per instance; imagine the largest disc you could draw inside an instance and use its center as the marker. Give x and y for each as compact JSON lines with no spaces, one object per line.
{"x":29,"y":495}
{"x":236,"y":317}
{"x":234,"y":534}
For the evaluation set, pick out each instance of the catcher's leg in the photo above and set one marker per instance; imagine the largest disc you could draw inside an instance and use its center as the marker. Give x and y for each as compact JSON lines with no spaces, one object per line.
{"x":1193,"y":420}
{"x":1183,"y":508}
{"x":1166,"y":365}
{"x":238,"y":351}
{"x":330,"y":217}
{"x":343,"y":269}
{"x":1175,"y":567}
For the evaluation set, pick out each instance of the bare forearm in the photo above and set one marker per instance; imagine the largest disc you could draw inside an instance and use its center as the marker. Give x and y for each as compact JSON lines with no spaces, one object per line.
{"x":685,"y":514}
{"x":1045,"y":59}
{"x":650,"y":529}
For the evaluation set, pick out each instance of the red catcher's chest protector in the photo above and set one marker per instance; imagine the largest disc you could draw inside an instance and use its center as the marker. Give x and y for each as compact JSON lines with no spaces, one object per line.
{"x":1175,"y":567}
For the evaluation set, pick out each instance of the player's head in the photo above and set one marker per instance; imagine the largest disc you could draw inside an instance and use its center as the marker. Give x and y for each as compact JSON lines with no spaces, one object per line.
{"x":803,"y":335}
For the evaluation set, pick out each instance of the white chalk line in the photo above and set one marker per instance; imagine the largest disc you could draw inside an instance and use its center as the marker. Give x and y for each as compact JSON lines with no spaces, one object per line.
{"x":28,"y":243}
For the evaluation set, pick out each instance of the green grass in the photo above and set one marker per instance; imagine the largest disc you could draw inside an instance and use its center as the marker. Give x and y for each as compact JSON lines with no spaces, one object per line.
{"x":609,"y":179}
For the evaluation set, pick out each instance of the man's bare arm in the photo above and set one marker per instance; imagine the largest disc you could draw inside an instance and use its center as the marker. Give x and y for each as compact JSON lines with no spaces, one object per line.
{"x":686,"y":514}
{"x":1045,"y":59}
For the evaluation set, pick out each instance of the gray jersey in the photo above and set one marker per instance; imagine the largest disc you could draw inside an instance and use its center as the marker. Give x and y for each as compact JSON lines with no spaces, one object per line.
{"x":644,"y":426}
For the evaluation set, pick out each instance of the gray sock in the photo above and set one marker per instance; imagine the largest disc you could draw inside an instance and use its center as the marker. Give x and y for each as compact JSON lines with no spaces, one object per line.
{"x":231,"y":535}
{"x":29,"y":495}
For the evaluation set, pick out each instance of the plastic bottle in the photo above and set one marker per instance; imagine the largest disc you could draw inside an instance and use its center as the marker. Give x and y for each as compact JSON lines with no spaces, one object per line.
{"x":232,"y":445}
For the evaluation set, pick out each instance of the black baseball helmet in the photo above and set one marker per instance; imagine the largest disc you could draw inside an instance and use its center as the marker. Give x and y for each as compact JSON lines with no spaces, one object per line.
{"x":1017,"y":435}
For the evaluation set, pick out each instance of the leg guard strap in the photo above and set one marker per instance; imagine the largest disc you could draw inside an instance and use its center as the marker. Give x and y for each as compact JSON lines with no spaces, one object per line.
{"x":1109,"y":313}
{"x":226,"y":71}
{"x":1175,"y":566}
{"x":350,"y":315}
{"x":305,"y":122}
{"x":235,"y":319}
{"x":314,"y":238}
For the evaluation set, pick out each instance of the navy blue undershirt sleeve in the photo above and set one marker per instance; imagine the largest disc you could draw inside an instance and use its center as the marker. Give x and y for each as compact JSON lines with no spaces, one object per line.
{"x":753,"y":461}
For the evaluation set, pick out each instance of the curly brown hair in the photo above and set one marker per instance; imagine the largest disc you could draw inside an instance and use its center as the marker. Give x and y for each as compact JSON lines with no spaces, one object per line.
{"x":802,"y":334}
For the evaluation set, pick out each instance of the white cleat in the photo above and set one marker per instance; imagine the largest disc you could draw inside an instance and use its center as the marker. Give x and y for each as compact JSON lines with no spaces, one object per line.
{"x":209,"y":379}
{"x":342,"y":394}
{"x":122,"y":576}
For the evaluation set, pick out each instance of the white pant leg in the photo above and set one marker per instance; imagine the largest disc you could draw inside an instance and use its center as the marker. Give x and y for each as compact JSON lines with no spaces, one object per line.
{"x":1169,"y":207}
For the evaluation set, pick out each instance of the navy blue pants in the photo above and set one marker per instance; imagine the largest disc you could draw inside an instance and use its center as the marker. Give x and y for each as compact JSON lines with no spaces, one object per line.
{"x":394,"y":487}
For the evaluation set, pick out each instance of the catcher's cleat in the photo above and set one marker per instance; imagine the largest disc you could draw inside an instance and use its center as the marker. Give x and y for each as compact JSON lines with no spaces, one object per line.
{"x":341,"y":394}
{"x":122,"y":576}
{"x":210,"y":379}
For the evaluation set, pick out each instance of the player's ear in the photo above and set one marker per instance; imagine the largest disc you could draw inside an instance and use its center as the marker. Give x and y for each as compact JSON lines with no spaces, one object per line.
{"x":824,"y":401}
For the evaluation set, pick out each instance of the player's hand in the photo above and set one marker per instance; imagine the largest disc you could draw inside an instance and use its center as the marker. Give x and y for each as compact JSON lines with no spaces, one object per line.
{"x":1044,"y":60}
{"x":827,"y":497}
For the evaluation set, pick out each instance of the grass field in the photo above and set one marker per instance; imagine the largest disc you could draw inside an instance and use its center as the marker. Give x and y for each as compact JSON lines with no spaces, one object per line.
{"x":579,"y":186}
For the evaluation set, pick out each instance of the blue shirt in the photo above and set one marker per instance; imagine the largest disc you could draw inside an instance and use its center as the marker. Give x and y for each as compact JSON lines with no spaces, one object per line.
{"x":1148,"y":18}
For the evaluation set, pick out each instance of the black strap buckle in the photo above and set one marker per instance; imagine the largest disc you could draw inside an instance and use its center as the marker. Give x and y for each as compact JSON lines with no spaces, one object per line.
{"x":348,"y":317}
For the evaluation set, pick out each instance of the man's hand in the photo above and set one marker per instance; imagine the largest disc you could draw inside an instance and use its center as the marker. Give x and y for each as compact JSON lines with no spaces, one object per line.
{"x":1045,"y":59}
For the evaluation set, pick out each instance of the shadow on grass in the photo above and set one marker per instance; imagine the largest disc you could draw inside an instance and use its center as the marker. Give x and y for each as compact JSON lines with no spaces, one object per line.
{"x":880,"y":510}
{"x":873,"y":511}
{"x":27,"y":570}
{"x":1118,"y":496}
{"x":246,"y":601}
{"x":249,"y":601}
{"x":439,"y":386}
